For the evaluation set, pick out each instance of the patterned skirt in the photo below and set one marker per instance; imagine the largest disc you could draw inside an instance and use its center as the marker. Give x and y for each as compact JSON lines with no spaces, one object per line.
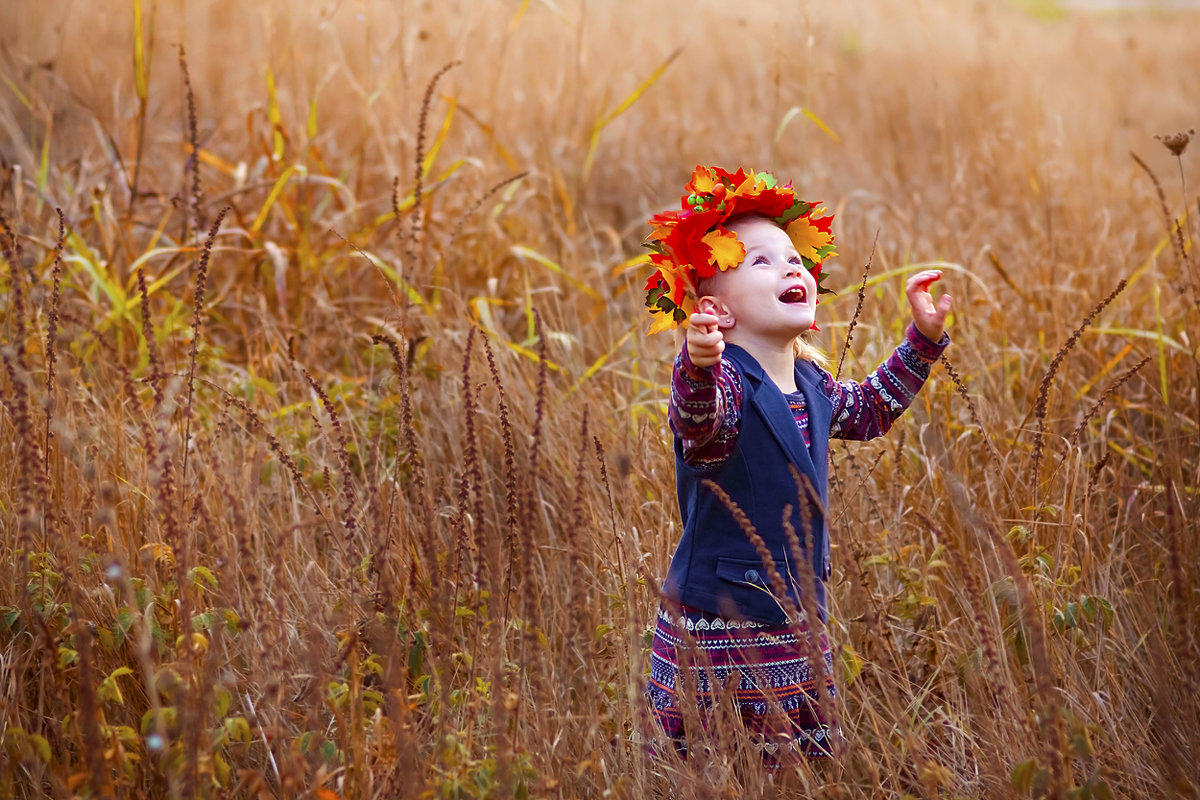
{"x":776,"y":695}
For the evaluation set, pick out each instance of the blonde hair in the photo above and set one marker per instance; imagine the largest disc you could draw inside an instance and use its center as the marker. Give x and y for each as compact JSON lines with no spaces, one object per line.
{"x":805,"y":350}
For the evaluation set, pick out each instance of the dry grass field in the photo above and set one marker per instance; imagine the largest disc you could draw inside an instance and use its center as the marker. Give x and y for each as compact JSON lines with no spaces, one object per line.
{"x":333,"y":450}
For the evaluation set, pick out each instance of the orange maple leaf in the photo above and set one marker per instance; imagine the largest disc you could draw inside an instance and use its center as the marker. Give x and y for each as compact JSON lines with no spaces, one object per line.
{"x":727,"y":249}
{"x":808,"y":238}
{"x":703,"y":181}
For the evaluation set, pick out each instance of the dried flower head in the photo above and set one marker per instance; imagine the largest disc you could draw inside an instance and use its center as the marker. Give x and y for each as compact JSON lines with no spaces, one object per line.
{"x":1177,"y":142}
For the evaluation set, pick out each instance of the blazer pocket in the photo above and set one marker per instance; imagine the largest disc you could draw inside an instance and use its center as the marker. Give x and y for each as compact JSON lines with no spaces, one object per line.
{"x":746,"y":572}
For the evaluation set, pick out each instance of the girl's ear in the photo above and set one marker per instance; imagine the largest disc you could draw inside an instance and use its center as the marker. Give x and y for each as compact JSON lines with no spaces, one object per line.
{"x":714,"y":305}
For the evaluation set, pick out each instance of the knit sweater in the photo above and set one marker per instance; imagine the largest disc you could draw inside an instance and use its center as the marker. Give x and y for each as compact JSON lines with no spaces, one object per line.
{"x":706,"y":402}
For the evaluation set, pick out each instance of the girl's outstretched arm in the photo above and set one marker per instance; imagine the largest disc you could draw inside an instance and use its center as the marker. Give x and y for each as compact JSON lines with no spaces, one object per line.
{"x":867,"y":409}
{"x":928,"y":316}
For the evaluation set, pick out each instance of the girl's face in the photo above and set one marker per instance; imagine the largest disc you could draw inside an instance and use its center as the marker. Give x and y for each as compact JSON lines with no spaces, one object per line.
{"x":770,"y":298}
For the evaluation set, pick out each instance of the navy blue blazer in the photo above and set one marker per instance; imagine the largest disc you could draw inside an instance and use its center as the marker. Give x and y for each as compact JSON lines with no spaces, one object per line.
{"x":715,"y":568}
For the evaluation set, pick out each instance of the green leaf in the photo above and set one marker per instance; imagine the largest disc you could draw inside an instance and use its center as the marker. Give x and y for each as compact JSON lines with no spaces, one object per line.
{"x":39,"y":746}
{"x":1019,"y":533}
{"x":203,"y":621}
{"x":851,"y":664}
{"x":1023,"y":775}
{"x":224,"y":699}
{"x":1101,"y":790}
{"x":125,"y":734}
{"x":10,"y":615}
{"x":166,"y":716}
{"x":67,"y":657}
{"x":603,"y":630}
{"x":238,"y":730}
{"x":199,"y":576}
{"x":221,"y":770}
{"x":798,"y":209}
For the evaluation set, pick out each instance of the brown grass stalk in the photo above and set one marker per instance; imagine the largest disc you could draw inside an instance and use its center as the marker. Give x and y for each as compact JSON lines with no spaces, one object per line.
{"x":343,"y":455}
{"x":197,"y":324}
{"x":966,"y":396}
{"x":862,"y":295}
{"x":52,"y":332}
{"x":192,"y":164}
{"x":511,"y":485}
{"x":154,"y":360}
{"x":1044,"y":388}
{"x":414,"y":231}
{"x":1047,"y":713}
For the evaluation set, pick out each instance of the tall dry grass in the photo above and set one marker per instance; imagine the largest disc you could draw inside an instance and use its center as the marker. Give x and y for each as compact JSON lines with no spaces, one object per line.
{"x":362,"y":488}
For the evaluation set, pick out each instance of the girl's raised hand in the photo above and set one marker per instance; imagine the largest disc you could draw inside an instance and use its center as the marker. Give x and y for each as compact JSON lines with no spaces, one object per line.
{"x":929,"y":317}
{"x":705,"y":342}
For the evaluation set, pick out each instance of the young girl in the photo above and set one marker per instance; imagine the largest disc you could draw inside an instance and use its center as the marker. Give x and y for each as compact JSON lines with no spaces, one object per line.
{"x":739,"y":268}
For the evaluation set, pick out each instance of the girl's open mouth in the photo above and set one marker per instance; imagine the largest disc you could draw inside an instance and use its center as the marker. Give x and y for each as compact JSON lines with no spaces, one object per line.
{"x":794,"y":295}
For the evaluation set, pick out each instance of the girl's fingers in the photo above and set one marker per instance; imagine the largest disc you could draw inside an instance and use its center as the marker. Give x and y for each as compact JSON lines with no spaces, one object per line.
{"x":923,"y":279}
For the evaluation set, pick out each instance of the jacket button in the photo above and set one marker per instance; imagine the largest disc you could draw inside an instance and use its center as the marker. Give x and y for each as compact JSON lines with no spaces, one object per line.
{"x":752,"y":575}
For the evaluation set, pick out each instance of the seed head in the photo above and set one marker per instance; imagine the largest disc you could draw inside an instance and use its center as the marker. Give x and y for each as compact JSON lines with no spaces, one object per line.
{"x":1177,"y":142}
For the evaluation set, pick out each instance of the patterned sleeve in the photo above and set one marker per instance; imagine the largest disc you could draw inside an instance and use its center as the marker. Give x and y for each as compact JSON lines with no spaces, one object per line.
{"x":705,"y":410}
{"x":866,"y":410}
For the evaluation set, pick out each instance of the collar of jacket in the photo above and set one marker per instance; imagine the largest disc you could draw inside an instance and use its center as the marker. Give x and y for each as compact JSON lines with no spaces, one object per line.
{"x":773,"y":406}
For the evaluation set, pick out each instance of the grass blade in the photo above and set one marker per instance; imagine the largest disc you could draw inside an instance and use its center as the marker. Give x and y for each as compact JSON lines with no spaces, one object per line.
{"x":276,"y":191}
{"x":523,"y":252}
{"x":622,"y":108}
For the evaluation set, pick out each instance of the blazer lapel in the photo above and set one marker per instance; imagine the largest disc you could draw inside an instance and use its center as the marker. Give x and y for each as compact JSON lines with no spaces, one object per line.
{"x":769,"y":401}
{"x":820,"y":414}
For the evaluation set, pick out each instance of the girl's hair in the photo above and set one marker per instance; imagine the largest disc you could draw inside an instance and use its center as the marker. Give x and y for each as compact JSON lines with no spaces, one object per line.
{"x":807,"y":351}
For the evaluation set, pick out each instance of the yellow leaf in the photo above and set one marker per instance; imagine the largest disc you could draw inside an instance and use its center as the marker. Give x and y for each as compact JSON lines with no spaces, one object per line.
{"x":637,"y":262}
{"x":661,"y":322}
{"x":516,"y":20}
{"x":140,"y":67}
{"x":276,"y":191}
{"x":158,"y":552}
{"x":817,"y":121}
{"x":212,"y":159}
{"x":795,"y":111}
{"x":522,"y":252}
{"x":808,"y":238}
{"x":427,"y":164}
{"x":599,"y":362}
{"x":727,"y":249}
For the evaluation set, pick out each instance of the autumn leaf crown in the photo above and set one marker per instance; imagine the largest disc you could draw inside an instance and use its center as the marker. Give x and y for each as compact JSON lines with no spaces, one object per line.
{"x":693,"y":243}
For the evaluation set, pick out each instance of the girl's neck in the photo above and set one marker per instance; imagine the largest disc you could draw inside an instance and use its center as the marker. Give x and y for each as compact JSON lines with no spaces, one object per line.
{"x":777,"y":359}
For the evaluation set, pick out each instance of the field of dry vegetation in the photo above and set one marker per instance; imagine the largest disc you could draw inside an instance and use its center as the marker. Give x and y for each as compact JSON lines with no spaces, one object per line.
{"x":333,"y":453}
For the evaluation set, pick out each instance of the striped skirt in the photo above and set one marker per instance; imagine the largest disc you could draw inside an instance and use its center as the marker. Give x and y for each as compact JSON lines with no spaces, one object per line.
{"x":776,"y":696}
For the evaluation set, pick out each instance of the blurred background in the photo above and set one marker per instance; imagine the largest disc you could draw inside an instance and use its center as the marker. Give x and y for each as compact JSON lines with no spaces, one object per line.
{"x":280,"y":525}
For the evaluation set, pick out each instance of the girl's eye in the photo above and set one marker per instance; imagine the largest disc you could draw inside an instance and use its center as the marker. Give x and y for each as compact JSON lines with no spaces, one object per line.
{"x":760,"y":260}
{"x":794,"y":260}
